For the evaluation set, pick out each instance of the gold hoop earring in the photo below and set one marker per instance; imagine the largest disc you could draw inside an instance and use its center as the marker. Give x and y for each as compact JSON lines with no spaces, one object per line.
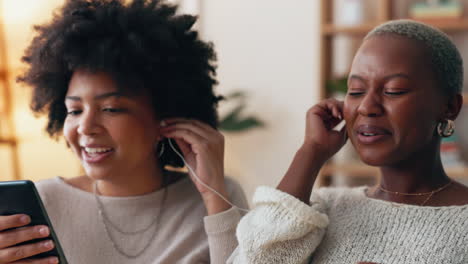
{"x":446,"y":128}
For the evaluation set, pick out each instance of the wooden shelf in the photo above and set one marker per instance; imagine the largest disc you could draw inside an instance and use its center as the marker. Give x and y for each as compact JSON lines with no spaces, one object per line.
{"x":7,"y":141}
{"x":359,"y":170}
{"x":330,"y":29}
{"x":6,"y":99}
{"x":362,"y":29}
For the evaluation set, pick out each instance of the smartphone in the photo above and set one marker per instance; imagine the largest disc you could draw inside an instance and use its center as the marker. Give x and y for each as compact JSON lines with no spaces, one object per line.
{"x":21,"y":197}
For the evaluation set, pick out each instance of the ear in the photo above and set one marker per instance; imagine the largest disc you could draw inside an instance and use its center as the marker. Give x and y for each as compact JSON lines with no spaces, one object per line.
{"x":453,"y":106}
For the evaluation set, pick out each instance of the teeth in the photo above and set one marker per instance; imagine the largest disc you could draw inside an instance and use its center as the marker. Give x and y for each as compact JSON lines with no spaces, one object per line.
{"x":368,"y":134}
{"x":97,"y":150}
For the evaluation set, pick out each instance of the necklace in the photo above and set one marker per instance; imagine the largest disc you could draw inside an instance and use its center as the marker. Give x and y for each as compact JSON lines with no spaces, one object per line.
{"x":431,"y":193}
{"x":107,"y":223}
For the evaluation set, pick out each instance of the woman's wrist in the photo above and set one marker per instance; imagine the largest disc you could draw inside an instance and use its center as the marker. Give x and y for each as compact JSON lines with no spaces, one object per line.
{"x":301,"y":175}
{"x":312,"y":157}
{"x":314,"y":153}
{"x":214,"y":203}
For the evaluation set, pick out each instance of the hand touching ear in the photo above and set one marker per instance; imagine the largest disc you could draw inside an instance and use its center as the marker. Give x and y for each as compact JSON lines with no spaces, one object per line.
{"x":320,"y":121}
{"x":321,"y":142}
{"x":203,"y":149}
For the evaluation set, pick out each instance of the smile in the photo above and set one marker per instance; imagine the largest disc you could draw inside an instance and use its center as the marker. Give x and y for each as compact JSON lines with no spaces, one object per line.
{"x":96,"y":154}
{"x":97,"y":150}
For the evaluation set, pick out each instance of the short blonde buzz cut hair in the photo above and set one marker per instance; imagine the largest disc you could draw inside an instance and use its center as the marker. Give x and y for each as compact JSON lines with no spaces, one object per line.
{"x":447,"y":62}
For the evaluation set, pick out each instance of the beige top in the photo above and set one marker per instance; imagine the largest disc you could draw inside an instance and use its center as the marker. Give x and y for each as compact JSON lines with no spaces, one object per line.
{"x":184,"y":233}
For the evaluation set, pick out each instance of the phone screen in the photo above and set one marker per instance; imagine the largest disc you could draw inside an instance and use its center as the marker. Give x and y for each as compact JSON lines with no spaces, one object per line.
{"x":21,"y":197}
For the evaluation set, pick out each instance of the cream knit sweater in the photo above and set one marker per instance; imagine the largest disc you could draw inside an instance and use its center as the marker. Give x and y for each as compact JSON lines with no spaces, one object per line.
{"x":344,"y":226}
{"x":184,"y":234}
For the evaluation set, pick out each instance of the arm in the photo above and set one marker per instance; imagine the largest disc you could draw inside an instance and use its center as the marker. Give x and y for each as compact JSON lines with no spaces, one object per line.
{"x":320,"y":143}
{"x":282,"y":227}
{"x":301,"y":175}
{"x":221,"y":228}
{"x":203,"y":150}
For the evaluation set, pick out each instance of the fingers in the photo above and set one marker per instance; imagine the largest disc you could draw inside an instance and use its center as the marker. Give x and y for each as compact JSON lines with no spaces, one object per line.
{"x":193,"y":125}
{"x":12,"y":221}
{"x":49,"y":260}
{"x":331,"y":108}
{"x":341,"y":134}
{"x":18,"y":235}
{"x":328,"y":111}
{"x":187,"y":136}
{"x":192,"y":132}
{"x":12,"y":254}
{"x":171,"y":121}
{"x":183,"y":146}
{"x":203,"y":150}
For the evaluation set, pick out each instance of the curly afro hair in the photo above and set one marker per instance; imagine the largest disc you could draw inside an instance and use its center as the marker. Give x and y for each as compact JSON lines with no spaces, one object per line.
{"x":144,"y":45}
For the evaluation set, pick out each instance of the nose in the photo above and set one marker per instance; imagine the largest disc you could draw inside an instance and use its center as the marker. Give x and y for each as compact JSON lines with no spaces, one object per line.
{"x":88,"y":123}
{"x":371,"y":105}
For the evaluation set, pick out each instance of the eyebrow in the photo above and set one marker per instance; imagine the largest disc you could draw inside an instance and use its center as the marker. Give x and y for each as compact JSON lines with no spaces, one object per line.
{"x":386,"y":78}
{"x":97,"y":97}
{"x":397,"y":75}
{"x":357,"y":77}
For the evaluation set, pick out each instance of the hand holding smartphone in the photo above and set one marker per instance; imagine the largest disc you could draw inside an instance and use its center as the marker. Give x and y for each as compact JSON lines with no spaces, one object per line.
{"x":25,"y":229}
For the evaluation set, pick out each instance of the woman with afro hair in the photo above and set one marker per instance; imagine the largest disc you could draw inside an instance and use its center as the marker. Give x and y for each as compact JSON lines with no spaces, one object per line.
{"x":129,"y":85}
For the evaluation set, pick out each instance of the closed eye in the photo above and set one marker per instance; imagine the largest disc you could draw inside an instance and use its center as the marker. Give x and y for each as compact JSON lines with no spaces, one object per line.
{"x":395,"y":93}
{"x":355,"y":93}
{"x":113,"y":110}
{"x":74,"y":112}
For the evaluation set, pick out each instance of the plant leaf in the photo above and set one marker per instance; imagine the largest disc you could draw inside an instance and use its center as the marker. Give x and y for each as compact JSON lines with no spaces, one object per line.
{"x":233,"y":115}
{"x":242,"y":125}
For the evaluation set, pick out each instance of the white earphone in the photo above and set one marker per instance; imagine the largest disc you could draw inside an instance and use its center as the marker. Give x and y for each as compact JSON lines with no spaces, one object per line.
{"x":192,"y":172}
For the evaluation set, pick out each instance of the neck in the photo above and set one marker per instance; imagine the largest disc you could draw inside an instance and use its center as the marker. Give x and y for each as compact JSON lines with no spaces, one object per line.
{"x":138,"y":181}
{"x":422,"y":172}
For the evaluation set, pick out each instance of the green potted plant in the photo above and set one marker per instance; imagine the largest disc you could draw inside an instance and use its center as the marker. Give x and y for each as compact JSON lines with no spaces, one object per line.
{"x":234,"y":120}
{"x":337,"y":87}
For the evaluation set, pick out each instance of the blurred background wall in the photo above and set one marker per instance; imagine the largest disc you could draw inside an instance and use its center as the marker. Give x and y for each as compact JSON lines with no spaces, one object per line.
{"x":269,"y":48}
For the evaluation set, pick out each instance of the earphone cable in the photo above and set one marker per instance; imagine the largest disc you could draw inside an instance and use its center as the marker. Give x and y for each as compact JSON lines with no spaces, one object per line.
{"x":201,"y":182}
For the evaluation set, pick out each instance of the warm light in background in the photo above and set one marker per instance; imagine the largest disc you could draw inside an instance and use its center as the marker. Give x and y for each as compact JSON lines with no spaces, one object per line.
{"x":21,"y":11}
{"x":40,"y":157}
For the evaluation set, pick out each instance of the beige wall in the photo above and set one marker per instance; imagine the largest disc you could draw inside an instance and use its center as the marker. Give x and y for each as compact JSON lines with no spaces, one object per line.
{"x":269,"y":48}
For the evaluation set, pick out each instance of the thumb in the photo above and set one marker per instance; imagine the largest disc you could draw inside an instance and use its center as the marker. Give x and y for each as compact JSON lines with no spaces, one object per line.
{"x":340,"y":134}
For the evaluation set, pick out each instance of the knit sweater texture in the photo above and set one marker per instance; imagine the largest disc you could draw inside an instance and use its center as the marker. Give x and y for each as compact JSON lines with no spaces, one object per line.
{"x":343,"y":225}
{"x":184,"y":233}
